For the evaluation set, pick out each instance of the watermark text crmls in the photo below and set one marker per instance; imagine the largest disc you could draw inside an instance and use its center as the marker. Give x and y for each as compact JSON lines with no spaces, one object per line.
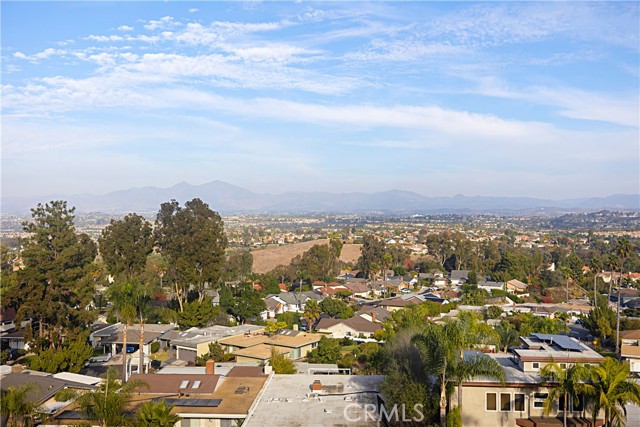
{"x":374,"y":413}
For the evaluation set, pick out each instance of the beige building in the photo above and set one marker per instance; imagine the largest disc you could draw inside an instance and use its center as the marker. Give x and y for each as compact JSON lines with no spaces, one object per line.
{"x":195,"y":341}
{"x":630,"y":349}
{"x":297,"y":344}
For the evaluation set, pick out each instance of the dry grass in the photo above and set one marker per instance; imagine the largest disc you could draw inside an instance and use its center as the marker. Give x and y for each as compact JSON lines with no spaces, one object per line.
{"x":269,"y":258}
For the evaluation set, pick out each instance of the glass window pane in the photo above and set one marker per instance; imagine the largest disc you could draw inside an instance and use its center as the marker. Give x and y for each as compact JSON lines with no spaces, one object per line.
{"x":505,"y":401}
{"x":491,"y":402}
{"x":518,"y":402}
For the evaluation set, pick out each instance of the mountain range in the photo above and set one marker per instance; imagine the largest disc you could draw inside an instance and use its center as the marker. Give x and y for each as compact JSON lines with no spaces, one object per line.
{"x":227,"y":198}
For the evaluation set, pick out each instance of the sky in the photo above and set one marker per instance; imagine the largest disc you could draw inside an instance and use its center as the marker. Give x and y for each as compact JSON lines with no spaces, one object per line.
{"x":490,"y":98}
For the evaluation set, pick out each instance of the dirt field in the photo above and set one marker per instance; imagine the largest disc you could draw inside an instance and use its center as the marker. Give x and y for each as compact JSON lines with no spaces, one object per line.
{"x":267,"y":259}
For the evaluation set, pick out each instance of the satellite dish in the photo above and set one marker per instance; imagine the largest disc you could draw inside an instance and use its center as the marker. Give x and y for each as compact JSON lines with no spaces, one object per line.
{"x":5,"y":369}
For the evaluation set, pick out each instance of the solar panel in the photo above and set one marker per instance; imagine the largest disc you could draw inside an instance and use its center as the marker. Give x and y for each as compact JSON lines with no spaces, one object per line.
{"x":562,"y":341}
{"x":211,"y":403}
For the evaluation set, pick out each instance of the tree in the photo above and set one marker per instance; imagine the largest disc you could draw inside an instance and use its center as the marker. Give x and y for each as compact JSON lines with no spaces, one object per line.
{"x":442,"y":351}
{"x":600,"y":319}
{"x":566,"y":384}
{"x":311,"y":312}
{"x":273,"y":327}
{"x":508,"y":336}
{"x":328,"y":351}
{"x":156,"y":414}
{"x":197,"y":314}
{"x":15,"y":405}
{"x":216,"y":353}
{"x":55,"y":287}
{"x":372,"y":252}
{"x":106,"y":404}
{"x":193,"y":241}
{"x":280,"y":363}
{"x":71,"y":357}
{"x":242,"y":302}
{"x":611,"y":390}
{"x":125,"y":245}
{"x":122,"y":296}
{"x":623,"y":250}
{"x":336,"y":308}
{"x":596,"y":266}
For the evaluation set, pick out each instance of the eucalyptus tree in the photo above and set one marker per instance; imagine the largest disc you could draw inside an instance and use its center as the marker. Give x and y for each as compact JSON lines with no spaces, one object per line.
{"x":595,"y":265}
{"x":192,"y":240}
{"x":124,"y":246}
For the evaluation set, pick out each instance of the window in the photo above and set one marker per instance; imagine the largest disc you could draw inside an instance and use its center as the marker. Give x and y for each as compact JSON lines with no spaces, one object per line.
{"x":505,"y":401}
{"x":563,"y":365}
{"x":492,"y":404}
{"x":518,"y":402}
{"x":536,"y":365}
{"x":184,"y":384}
{"x":538,"y":399}
{"x":196,"y":384}
{"x":578,"y":403}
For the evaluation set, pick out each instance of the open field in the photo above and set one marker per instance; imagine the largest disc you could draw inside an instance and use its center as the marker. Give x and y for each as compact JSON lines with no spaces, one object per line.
{"x":271,"y":257}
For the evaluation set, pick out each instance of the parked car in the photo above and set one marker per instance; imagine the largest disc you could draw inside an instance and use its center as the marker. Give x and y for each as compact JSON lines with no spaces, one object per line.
{"x":405,"y":291}
{"x":155,"y":364}
{"x":130,"y":349}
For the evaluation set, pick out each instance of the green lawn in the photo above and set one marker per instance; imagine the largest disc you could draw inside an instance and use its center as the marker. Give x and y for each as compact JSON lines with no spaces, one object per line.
{"x":161,"y":355}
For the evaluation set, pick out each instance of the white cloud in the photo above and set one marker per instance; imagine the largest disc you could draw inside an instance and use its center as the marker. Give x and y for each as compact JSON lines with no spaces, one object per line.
{"x":194,"y":10}
{"x":112,"y":38}
{"x":125,"y":28}
{"x":166,"y":22}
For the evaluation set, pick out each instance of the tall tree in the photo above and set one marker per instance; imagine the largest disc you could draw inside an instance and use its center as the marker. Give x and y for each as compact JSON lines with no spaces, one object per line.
{"x":623,"y":250}
{"x":124,"y":246}
{"x":122,"y":295}
{"x":596,"y":266}
{"x":611,"y":390}
{"x":442,"y":350}
{"x":193,"y":241}
{"x":55,"y":281}
{"x":372,"y":252}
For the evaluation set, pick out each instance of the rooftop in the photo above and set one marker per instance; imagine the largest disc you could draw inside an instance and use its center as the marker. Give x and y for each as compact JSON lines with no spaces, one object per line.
{"x":560,"y":348}
{"x":194,"y":336}
{"x":287,"y":401}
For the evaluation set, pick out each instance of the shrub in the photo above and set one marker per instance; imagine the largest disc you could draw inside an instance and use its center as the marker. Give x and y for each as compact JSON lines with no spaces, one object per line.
{"x":155,"y":346}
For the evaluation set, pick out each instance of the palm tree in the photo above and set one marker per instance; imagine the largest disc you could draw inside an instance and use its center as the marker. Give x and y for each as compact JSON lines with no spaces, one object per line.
{"x":508,"y":336}
{"x":122,"y":298}
{"x":566,"y":384}
{"x":156,"y":414}
{"x":623,"y":250}
{"x":613,"y":262}
{"x":566,"y":273}
{"x":442,"y":350}
{"x":611,"y":390}
{"x":595,"y":265}
{"x":311,"y":312}
{"x":16,"y":407}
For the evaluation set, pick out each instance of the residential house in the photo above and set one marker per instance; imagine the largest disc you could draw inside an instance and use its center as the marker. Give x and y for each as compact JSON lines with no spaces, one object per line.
{"x":195,"y":342}
{"x":630,"y":349}
{"x":45,"y":386}
{"x":357,"y":289}
{"x":489,"y":285}
{"x":257,"y":346}
{"x":198,"y":399}
{"x":354,"y":327}
{"x":112,"y":337}
{"x":459,"y":277}
{"x":288,"y":302}
{"x":373,"y":314}
{"x":516,"y":286}
{"x":539,"y":349}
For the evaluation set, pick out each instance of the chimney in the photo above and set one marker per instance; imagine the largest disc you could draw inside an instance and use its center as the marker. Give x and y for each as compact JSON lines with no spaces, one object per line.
{"x":316,"y":386}
{"x":373,"y":316}
{"x":210,"y":368}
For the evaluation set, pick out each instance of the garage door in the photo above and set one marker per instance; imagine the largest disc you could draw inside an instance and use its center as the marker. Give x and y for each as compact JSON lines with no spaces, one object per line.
{"x":186,"y":355}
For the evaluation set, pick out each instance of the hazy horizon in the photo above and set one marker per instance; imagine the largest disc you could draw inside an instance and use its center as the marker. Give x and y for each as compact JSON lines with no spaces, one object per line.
{"x":510,"y":99}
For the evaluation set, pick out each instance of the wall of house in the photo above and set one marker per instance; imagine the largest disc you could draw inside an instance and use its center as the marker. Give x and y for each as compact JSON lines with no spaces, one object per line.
{"x":476,"y":413}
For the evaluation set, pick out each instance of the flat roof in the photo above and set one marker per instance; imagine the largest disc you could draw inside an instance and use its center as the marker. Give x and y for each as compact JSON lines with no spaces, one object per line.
{"x":543,"y":348}
{"x":286,"y":401}
{"x":513,"y":373}
{"x":194,"y":336}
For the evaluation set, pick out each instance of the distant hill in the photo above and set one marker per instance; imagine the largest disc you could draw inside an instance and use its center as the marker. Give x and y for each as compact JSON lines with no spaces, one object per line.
{"x":228,"y":198}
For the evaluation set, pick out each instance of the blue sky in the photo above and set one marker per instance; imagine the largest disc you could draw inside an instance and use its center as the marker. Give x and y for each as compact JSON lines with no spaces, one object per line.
{"x":491,"y":98}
